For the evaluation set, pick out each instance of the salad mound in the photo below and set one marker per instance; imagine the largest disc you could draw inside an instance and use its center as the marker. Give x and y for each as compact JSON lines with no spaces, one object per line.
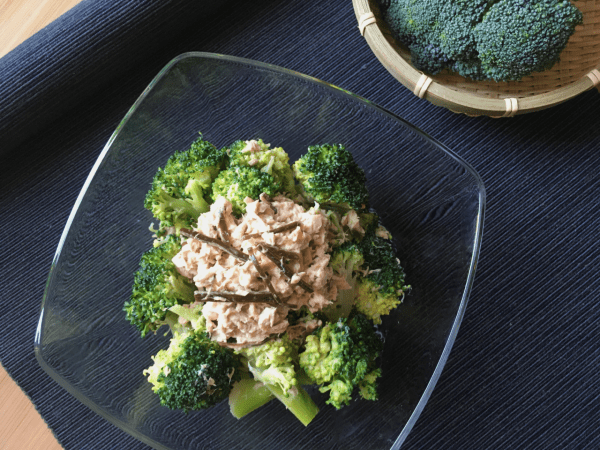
{"x":270,"y":278}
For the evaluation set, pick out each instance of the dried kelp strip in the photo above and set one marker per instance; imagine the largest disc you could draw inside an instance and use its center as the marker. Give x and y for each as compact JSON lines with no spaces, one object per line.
{"x":341,"y":208}
{"x":281,"y":229}
{"x":236,"y":297}
{"x":215,"y":243}
{"x":279,"y":252}
{"x":263,"y":275}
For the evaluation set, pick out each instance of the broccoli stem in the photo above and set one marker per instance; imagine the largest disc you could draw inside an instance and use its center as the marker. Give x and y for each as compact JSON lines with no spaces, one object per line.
{"x":250,"y":394}
{"x":299,"y":403}
{"x":196,"y":192}
{"x":246,"y":396}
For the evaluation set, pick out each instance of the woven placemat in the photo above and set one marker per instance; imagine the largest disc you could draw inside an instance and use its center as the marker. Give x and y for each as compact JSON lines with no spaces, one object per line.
{"x":523,"y":371}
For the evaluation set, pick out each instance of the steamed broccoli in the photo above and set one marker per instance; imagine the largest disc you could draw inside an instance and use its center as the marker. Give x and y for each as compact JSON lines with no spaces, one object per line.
{"x":180,"y":191}
{"x":237,"y":183}
{"x":374,"y":274}
{"x":341,"y":356}
{"x":273,"y":364}
{"x":156,"y":287}
{"x":502,"y":40}
{"x":382,"y":288}
{"x":328,"y":173}
{"x":194,"y":372}
{"x":274,"y":161}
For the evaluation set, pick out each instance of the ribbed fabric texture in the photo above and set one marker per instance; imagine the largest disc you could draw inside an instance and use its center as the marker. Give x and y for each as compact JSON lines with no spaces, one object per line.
{"x":523,"y":373}
{"x":95,"y":43}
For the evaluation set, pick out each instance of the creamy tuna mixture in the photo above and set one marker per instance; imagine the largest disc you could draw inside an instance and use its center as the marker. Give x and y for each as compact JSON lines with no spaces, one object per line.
{"x":213,"y":269}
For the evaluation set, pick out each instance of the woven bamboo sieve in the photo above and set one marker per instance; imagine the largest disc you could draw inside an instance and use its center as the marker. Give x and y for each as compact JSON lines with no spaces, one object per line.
{"x":577,"y":71}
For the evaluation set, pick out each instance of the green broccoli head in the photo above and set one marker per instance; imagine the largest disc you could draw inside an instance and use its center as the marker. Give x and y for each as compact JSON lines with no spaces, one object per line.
{"x":502,"y":40}
{"x":179,"y":192}
{"x":438,"y":33}
{"x":341,"y":356}
{"x":193,"y":373}
{"x":346,"y":259}
{"x":328,"y":173}
{"x":367,"y":388}
{"x":272,"y":363}
{"x":373,"y":302}
{"x":381,"y":289}
{"x":519,"y":37}
{"x":237,"y":183}
{"x":156,"y":287}
{"x":274,"y":161}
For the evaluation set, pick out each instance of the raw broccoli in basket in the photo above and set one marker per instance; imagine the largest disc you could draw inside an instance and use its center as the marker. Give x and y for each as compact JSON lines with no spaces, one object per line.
{"x":501,"y":40}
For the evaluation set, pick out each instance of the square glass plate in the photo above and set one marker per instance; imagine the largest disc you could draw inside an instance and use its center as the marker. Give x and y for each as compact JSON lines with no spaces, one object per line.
{"x":429,"y":198}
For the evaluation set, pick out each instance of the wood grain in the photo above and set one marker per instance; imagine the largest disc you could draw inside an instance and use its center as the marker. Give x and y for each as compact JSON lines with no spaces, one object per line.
{"x":21,"y":427}
{"x":20,"y":19}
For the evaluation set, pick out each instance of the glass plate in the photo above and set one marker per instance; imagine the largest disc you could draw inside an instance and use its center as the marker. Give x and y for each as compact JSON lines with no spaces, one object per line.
{"x":429,"y":198}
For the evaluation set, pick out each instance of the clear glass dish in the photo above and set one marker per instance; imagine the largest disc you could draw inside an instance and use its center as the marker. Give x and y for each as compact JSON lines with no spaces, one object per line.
{"x":429,"y":198}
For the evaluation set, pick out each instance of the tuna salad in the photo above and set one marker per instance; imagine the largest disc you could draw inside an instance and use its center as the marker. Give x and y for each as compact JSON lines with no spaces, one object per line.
{"x":270,"y":277}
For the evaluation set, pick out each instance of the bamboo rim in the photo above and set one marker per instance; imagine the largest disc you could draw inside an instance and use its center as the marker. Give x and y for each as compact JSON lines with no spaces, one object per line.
{"x":389,"y":53}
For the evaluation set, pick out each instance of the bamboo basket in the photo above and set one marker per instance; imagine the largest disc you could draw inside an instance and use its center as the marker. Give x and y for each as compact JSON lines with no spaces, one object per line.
{"x":576,"y":72}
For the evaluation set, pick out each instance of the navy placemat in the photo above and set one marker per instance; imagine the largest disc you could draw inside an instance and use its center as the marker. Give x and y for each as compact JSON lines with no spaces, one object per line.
{"x":523,"y":373}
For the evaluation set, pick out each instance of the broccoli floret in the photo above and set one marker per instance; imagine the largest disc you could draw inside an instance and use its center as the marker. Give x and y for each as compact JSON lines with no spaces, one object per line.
{"x":274,"y":161}
{"x":180,"y":191}
{"x":519,"y":37}
{"x":273,"y":363}
{"x":187,"y":316}
{"x":157,"y":286}
{"x":193,"y":373}
{"x":381,"y":289}
{"x":502,"y":40}
{"x":237,"y":183}
{"x":367,"y":388}
{"x":374,"y":274}
{"x":328,"y":173}
{"x":341,"y":356}
{"x":437,"y":32}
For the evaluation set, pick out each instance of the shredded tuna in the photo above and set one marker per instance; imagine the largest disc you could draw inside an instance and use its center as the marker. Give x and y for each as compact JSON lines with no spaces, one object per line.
{"x":352,"y":221}
{"x":215,"y":270}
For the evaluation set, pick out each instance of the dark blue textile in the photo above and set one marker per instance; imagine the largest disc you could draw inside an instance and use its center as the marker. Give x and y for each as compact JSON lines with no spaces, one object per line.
{"x":523,"y":373}
{"x":95,"y":43}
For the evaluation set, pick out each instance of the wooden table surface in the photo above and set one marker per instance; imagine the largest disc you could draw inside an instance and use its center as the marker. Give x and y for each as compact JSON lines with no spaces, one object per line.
{"x":21,"y":427}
